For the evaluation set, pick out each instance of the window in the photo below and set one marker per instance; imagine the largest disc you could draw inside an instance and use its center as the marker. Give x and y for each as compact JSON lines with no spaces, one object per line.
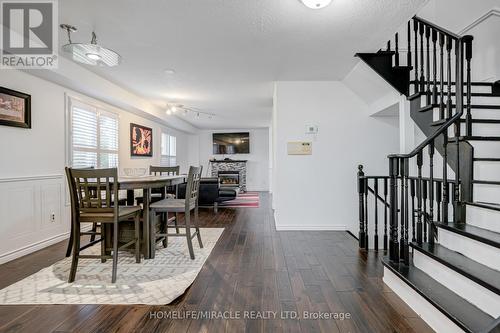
{"x":93,"y":135}
{"x":168,"y":150}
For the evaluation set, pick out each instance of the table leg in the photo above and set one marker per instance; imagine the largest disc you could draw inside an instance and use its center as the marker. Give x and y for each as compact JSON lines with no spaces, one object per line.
{"x":148,"y":253}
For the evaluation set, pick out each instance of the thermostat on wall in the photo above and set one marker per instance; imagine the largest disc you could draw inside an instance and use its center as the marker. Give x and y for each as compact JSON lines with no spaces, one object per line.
{"x":299,"y":148}
{"x":311,"y":129}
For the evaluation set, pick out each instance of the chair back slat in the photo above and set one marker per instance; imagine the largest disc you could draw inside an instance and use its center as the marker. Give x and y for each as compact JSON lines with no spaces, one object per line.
{"x":94,"y":190}
{"x":193,"y":185}
{"x":164,"y":171}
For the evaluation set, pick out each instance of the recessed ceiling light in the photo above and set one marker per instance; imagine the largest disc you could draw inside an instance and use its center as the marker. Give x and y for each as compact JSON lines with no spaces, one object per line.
{"x":316,"y":4}
{"x":169,"y":71}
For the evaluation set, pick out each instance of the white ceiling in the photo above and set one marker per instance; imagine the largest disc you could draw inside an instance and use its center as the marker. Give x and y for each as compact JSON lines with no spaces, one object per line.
{"x":227,"y":53}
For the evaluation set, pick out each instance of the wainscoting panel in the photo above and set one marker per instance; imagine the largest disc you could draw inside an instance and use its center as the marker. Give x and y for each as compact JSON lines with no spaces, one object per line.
{"x":32,"y":214}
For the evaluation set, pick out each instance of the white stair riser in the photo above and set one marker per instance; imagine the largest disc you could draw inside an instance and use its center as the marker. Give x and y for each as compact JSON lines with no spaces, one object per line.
{"x":483,"y":218}
{"x":474,"y":293}
{"x":432,"y":316}
{"x":487,"y":170}
{"x":482,"y":129}
{"x":486,"y":148}
{"x":480,"y":252}
{"x":481,"y":100}
{"x":475,"y":113}
{"x":486,"y":193}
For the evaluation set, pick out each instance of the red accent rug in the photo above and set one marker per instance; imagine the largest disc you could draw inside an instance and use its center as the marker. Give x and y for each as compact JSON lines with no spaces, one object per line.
{"x":248,"y":199}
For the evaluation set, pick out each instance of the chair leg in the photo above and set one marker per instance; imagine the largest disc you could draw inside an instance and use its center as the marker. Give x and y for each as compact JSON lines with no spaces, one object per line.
{"x":137,"y":221}
{"x":216,"y":207}
{"x":76,"y":253}
{"x":115,"y":251}
{"x":175,"y":222}
{"x":103,"y":244}
{"x":197,"y":223}
{"x":70,"y":241}
{"x":94,"y":229}
{"x":188,"y":234}
{"x":165,"y":231}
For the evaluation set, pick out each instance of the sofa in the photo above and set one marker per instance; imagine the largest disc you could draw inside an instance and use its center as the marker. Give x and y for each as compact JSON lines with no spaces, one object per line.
{"x":210,"y":194}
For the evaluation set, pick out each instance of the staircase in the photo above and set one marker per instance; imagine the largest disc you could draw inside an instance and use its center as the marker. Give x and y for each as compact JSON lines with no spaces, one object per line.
{"x":439,"y":207}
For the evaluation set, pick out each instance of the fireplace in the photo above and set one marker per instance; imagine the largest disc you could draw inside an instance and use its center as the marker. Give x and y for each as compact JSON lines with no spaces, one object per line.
{"x":229,"y":178}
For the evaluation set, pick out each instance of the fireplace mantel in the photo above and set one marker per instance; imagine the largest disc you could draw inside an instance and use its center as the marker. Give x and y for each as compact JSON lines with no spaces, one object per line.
{"x":228,"y":161}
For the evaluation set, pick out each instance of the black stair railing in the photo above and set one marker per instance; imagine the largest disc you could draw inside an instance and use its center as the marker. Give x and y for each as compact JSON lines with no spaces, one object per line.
{"x":416,"y":203}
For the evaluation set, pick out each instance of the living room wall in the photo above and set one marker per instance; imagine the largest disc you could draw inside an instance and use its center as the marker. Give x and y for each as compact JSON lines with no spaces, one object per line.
{"x":258,"y":159}
{"x":318,"y":191}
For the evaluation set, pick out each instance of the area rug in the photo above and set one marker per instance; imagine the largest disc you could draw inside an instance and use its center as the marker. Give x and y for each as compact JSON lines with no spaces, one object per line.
{"x":156,"y":281}
{"x":247,"y":200}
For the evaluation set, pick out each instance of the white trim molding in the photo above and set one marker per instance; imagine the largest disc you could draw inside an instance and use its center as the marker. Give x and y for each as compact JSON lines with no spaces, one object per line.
{"x":6,"y":257}
{"x":481,"y":19}
{"x":29,"y":178}
{"x":311,"y":228}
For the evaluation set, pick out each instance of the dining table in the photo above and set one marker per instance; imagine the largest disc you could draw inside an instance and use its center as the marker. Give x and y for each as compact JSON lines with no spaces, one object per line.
{"x":146,"y":183}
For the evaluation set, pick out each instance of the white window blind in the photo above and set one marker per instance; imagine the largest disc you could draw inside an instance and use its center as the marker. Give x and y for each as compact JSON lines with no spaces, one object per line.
{"x":94,"y":136}
{"x":168,"y":150}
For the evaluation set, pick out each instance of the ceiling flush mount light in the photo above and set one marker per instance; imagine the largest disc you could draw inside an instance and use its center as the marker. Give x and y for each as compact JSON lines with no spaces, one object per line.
{"x":169,"y":71}
{"x":91,"y":53}
{"x":316,"y":4}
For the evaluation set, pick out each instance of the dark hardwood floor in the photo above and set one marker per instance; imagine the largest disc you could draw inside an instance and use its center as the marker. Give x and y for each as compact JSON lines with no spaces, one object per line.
{"x":252,"y":268}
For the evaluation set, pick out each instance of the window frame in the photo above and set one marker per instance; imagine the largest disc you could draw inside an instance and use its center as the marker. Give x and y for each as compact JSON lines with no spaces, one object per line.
{"x":99,"y":108}
{"x":168,"y":157}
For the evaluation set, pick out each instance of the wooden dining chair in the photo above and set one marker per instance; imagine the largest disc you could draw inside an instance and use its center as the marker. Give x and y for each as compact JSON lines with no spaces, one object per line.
{"x":159,"y":193}
{"x":92,"y":194}
{"x":186,"y":206}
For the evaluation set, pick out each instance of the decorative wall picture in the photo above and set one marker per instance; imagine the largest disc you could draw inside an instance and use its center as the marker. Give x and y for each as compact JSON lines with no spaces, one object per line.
{"x":141,"y":140}
{"x":15,"y":108}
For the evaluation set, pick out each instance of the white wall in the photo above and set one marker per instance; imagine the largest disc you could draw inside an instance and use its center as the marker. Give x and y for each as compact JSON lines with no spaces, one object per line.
{"x":319,"y":191}
{"x":32,"y":184}
{"x":258,"y":159}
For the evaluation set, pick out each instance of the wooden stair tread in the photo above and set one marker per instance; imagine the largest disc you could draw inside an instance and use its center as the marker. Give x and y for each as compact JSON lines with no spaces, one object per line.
{"x":482,"y":235}
{"x":473,"y":107}
{"x":486,"y":159}
{"x":475,"y":138}
{"x":464,"y":314}
{"x":481,"y":274}
{"x":474,"y":121}
{"x":487,"y":205}
{"x":485,"y":182}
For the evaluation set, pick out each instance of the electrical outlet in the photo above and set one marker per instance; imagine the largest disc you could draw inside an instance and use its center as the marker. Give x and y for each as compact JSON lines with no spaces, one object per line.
{"x":52,"y":217}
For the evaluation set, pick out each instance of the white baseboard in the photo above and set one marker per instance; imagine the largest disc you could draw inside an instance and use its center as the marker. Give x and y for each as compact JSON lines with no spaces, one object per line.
{"x":6,"y":257}
{"x":312,"y":227}
{"x":432,"y":316}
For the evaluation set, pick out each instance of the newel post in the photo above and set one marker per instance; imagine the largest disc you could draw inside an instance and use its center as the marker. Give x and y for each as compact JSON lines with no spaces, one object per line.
{"x":393,"y":217}
{"x":361,"y":193}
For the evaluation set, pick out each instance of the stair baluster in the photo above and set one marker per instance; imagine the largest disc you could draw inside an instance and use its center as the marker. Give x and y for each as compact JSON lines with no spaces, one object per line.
{"x":446,"y":198}
{"x":431,"y":183}
{"x":408,"y":54}
{"x":428,"y":63}
{"x":434,"y":68}
{"x":385,"y":215}
{"x":361,"y":189}
{"x":468,"y":56}
{"x":412,"y":193}
{"x":438,"y":199}
{"x":421,"y":31}
{"x":424,"y":207}
{"x":449,"y":45}
{"x":459,"y":101}
{"x":441,"y":76}
{"x":396,"y":48}
{"x":415,"y":28}
{"x":375,"y":188}
{"x":419,"y":198}
{"x":366,"y":213}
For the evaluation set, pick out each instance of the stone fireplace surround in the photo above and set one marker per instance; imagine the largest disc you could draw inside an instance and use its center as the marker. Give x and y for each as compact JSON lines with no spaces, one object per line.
{"x":231,"y":165}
